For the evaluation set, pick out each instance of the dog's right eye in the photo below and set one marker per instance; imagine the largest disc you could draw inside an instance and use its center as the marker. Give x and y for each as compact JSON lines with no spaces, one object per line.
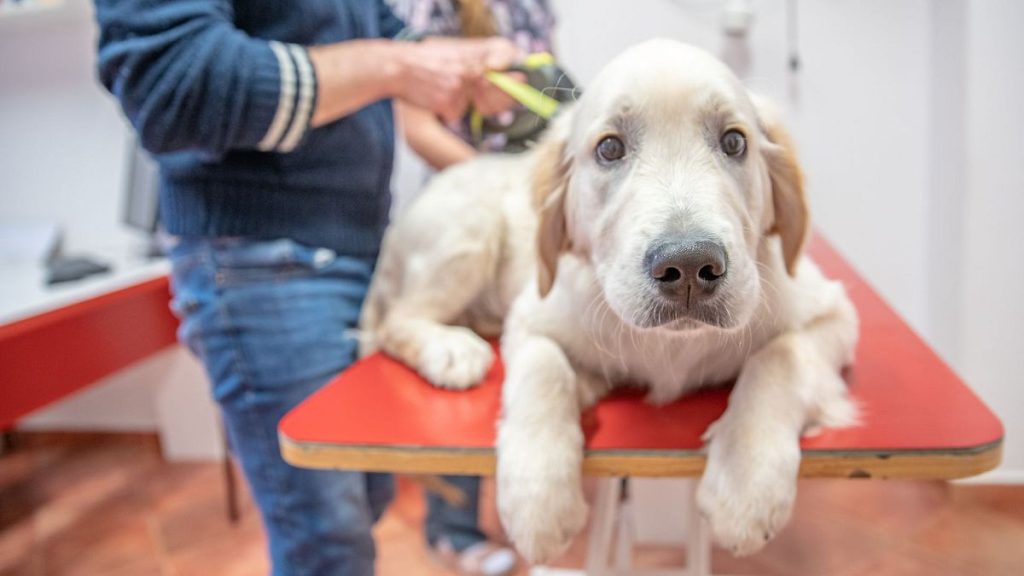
{"x":734,"y":143}
{"x":611,"y":149}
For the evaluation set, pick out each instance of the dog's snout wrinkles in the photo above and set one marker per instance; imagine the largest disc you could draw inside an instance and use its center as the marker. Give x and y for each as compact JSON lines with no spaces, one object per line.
{"x":687,"y":270}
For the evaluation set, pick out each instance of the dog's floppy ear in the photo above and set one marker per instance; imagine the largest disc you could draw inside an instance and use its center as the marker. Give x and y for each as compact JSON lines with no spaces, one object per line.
{"x":789,"y":201}
{"x":550,"y":185}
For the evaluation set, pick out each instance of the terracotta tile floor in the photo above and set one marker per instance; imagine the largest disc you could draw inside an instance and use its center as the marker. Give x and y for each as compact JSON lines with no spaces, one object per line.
{"x":108,"y":505}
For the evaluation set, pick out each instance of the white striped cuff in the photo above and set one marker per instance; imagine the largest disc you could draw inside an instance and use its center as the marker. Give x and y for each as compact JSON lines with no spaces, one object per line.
{"x":295,"y":103}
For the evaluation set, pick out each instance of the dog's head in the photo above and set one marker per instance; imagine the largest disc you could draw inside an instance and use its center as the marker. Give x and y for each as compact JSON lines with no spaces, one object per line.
{"x":667,"y":176}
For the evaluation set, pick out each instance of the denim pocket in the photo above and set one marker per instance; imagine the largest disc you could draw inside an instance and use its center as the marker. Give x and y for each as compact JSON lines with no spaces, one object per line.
{"x":192,"y":298}
{"x":267,"y":315}
{"x":240,"y":261}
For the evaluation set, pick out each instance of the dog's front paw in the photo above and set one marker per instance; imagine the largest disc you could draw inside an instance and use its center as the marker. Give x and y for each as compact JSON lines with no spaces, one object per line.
{"x":541,"y":515}
{"x":455,"y":358}
{"x":747,"y":497}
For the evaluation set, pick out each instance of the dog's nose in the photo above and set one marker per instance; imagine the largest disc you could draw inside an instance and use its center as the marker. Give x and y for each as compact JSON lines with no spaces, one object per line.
{"x":688,"y":270}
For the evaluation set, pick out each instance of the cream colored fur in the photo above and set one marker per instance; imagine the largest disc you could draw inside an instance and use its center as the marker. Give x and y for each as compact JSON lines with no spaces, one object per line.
{"x":552,"y":243}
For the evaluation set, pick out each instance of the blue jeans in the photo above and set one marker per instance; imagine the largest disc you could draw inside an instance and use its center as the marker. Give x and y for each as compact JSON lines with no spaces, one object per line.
{"x":458,"y":524}
{"x":271,"y":322}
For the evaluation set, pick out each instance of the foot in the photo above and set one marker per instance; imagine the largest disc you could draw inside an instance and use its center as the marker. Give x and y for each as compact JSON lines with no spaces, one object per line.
{"x":748,"y":489}
{"x":481,"y":559}
{"x":541,"y":517}
{"x":456,"y":358}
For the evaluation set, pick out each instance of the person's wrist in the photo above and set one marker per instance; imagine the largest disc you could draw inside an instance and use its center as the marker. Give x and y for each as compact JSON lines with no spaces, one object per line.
{"x":395,"y":59}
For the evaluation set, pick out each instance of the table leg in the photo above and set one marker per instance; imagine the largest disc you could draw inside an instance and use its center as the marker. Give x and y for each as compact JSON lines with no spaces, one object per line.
{"x":611,"y":524}
{"x":602,"y":526}
{"x":625,"y":529}
{"x":230,"y":481}
{"x":6,"y":441}
{"x":698,"y":537}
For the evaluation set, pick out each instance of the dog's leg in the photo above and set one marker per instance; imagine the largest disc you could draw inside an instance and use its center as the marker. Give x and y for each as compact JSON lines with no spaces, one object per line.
{"x":436,"y":292}
{"x":540,"y":450}
{"x":753,"y":455}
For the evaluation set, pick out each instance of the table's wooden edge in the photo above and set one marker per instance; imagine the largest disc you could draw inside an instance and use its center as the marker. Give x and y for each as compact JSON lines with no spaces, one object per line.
{"x":907,"y":464}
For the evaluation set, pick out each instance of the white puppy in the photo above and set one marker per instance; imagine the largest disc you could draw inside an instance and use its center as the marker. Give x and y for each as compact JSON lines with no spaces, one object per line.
{"x":450,"y":268}
{"x":671,"y":222}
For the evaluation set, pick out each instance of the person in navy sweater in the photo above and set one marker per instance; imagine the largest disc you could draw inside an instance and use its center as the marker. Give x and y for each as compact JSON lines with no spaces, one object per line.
{"x":272,"y":126}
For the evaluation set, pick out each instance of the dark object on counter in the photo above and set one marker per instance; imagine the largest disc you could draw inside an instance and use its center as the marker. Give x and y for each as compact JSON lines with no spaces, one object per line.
{"x":70,"y":268}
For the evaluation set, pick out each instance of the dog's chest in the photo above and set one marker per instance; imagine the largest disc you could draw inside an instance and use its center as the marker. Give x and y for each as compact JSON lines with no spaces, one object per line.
{"x":670,"y":365}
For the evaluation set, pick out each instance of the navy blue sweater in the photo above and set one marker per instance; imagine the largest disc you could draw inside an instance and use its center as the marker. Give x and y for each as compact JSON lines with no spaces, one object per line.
{"x":222,"y":92}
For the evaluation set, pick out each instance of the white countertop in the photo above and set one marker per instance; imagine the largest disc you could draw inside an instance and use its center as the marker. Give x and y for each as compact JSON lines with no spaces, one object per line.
{"x":24,"y":292}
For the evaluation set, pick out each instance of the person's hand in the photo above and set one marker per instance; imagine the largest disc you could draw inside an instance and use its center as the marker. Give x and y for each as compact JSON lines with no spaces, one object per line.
{"x":444,"y":74}
{"x":497,"y":53}
{"x":489,"y":100}
{"x":433,"y":76}
{"x":494,"y":54}
{"x":478,"y":56}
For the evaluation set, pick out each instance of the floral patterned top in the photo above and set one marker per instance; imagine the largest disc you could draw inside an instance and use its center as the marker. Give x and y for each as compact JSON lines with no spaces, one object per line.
{"x":527,"y":23}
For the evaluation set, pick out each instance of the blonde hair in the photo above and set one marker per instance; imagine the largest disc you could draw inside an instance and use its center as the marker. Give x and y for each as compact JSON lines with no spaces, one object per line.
{"x":475,"y":19}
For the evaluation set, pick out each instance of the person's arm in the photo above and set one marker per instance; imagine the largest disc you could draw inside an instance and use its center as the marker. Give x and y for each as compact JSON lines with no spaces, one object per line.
{"x":355,"y":73}
{"x":430,"y":139}
{"x":187,"y":78}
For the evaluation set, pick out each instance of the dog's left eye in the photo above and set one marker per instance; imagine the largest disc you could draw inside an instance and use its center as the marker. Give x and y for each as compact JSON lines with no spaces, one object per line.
{"x":734,"y":143}
{"x":611,"y":149}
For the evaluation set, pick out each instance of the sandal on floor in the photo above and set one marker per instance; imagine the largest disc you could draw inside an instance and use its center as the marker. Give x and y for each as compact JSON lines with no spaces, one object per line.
{"x":482,"y":559}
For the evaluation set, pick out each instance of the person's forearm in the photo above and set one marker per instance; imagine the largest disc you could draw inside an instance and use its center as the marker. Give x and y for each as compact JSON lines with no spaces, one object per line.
{"x":351,"y":75}
{"x":436,"y":75}
{"x":430,"y":139}
{"x":443,"y":149}
{"x":188,"y":79}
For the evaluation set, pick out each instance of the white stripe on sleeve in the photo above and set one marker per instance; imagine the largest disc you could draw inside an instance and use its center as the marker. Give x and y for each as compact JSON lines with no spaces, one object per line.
{"x":303,"y":111}
{"x":286,"y":101}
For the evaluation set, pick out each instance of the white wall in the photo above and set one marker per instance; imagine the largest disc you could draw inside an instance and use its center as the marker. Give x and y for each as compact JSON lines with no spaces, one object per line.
{"x":63,"y":141}
{"x":992,"y":270}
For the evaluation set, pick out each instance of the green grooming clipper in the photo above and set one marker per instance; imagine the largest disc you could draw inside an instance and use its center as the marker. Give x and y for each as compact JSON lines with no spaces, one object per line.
{"x":546,"y":87}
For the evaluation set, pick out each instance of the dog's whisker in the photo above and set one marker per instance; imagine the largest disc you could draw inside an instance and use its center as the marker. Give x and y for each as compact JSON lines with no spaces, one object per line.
{"x":549,"y":90}
{"x":595,"y":306}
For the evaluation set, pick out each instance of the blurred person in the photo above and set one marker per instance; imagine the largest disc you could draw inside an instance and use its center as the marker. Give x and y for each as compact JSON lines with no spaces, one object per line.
{"x":272,"y":126}
{"x":529,"y":24}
